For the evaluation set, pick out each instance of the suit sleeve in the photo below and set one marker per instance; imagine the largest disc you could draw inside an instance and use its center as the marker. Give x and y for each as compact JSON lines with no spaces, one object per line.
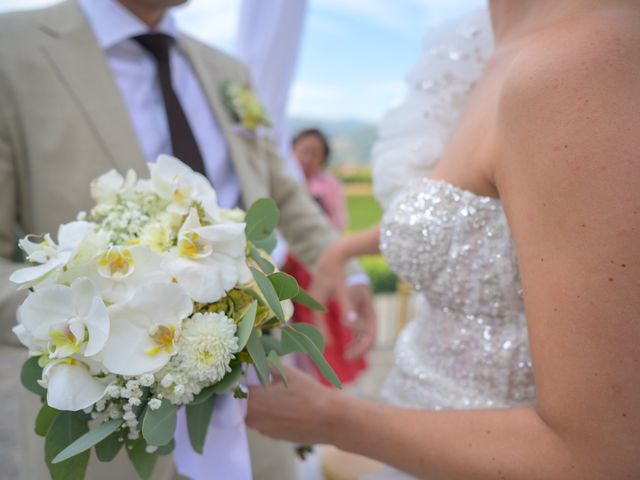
{"x":302,"y":222}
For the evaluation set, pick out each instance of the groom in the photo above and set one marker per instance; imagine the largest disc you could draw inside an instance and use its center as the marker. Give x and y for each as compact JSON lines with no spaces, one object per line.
{"x":90,"y":85}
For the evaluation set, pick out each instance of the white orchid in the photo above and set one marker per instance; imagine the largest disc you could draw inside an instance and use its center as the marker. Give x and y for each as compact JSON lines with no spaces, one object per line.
{"x":209,"y":260}
{"x":64,"y":321}
{"x":176,"y":182}
{"x":77,"y":241}
{"x":144,"y":329}
{"x":120,"y":270}
{"x":72,"y":384}
{"x":108,"y":187}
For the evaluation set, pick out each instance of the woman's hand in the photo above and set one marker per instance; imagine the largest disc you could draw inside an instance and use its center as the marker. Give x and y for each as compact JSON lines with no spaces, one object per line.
{"x":299,"y":412}
{"x":355,"y":300}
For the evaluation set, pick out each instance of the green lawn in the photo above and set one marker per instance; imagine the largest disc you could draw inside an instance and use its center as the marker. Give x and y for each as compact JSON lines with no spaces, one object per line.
{"x":364,"y":211}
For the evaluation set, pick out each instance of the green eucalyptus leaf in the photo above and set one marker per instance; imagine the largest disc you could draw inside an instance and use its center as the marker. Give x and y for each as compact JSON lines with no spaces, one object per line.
{"x":269,"y":293}
{"x":229,"y":381}
{"x":223,"y":386}
{"x":198,"y":419}
{"x":266,"y":266}
{"x":30,"y":374}
{"x":261,"y":219}
{"x":256,"y":296}
{"x":312,"y":332}
{"x":306,"y":300}
{"x":88,"y":440}
{"x":268,"y":244}
{"x":203,"y":396}
{"x":285,"y":285}
{"x":289,"y":343}
{"x":274,"y":360}
{"x":304,"y":343}
{"x":259,"y":357}
{"x":45,"y":419}
{"x":65,"y":429}
{"x":108,"y":448}
{"x":159,"y":425}
{"x":246,"y":325}
{"x":166,"y":449}
{"x":143,"y":462}
{"x":269,"y":342}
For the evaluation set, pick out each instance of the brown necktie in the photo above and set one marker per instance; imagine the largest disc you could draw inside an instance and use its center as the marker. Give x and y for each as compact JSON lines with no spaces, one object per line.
{"x":183,"y":142}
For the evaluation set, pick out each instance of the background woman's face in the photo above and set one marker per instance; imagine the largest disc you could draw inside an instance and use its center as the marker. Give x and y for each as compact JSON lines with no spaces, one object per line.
{"x":309,"y":151}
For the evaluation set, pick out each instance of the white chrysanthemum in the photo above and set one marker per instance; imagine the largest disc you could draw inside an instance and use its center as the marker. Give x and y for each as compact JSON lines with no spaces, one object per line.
{"x":207,"y":345}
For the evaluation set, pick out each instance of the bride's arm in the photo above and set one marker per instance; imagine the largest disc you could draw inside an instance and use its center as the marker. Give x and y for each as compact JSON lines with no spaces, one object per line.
{"x":570,"y":182}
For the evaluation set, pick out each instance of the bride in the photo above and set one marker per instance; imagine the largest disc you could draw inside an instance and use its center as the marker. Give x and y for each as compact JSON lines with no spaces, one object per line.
{"x":543,"y":162}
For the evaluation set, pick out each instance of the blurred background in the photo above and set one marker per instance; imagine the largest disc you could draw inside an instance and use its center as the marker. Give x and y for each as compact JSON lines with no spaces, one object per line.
{"x":345,"y":67}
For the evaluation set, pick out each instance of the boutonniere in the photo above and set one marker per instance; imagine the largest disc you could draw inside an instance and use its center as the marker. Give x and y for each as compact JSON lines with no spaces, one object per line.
{"x":245,"y":106}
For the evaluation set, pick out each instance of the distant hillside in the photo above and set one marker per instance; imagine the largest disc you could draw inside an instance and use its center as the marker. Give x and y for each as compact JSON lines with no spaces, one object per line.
{"x":351,"y":140}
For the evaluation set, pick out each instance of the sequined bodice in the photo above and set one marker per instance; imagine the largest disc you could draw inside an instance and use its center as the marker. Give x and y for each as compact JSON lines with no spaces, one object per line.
{"x":468,"y":345}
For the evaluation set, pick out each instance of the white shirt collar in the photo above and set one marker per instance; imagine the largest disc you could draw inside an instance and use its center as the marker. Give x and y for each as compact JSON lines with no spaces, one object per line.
{"x":112,"y":23}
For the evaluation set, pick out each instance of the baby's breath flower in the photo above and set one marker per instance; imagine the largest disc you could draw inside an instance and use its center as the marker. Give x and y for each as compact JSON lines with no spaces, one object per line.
{"x":129,"y":416}
{"x":115,"y":413}
{"x":132,"y":385}
{"x":113,"y":391}
{"x":167,"y":380}
{"x":178,"y":389}
{"x":147,"y":380}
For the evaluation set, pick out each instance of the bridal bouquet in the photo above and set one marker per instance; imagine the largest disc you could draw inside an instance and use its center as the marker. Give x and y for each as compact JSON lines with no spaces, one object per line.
{"x":154,"y":299}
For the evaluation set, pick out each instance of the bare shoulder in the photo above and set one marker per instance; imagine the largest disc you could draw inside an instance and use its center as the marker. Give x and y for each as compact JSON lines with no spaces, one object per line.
{"x":586,"y":52}
{"x":576,"y":81}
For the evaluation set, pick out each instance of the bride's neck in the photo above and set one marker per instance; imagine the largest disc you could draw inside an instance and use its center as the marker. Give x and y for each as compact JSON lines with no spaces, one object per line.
{"x":512,"y":19}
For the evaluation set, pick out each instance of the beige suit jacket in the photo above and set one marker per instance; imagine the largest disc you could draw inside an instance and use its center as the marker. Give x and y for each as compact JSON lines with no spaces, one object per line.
{"x":63,"y":122}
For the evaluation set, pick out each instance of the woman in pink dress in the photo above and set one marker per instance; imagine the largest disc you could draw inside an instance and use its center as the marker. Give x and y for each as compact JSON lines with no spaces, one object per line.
{"x":311,"y":150}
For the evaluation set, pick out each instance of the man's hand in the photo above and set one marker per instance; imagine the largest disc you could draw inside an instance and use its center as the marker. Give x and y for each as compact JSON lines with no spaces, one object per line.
{"x":355,"y":301}
{"x":360,"y":316}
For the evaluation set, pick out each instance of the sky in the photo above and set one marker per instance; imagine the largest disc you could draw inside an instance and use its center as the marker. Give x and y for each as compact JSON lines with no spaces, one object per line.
{"x":354,"y":53}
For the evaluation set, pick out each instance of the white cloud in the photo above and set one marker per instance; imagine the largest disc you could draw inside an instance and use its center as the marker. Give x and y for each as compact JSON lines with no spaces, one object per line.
{"x":386,"y":14}
{"x":325,"y":101}
{"x":212,"y":21}
{"x":399,"y":14}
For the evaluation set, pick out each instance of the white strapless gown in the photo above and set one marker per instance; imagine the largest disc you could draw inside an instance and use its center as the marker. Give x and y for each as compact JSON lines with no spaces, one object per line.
{"x":467,"y":346}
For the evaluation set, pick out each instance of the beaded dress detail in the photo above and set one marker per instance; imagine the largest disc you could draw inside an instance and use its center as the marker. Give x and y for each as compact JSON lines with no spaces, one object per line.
{"x":467,"y":346}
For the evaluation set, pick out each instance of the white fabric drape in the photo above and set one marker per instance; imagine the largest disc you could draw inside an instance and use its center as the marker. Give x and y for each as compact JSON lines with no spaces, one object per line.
{"x":268,"y":41}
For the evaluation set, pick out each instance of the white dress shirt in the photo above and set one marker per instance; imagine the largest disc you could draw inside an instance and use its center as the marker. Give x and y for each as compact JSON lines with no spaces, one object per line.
{"x":135,"y":74}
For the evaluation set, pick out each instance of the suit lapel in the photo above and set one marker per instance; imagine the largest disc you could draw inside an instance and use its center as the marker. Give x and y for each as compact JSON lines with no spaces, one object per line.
{"x":83,"y":68}
{"x":212,"y":81}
